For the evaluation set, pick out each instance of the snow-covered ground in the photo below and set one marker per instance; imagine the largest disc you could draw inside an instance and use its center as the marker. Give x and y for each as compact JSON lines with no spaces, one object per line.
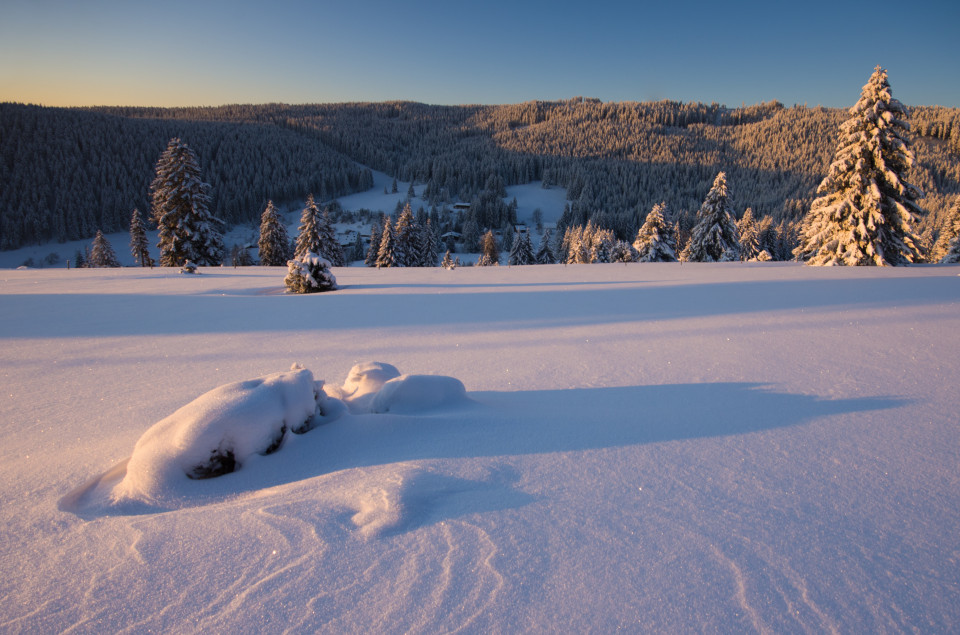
{"x":643,"y":447}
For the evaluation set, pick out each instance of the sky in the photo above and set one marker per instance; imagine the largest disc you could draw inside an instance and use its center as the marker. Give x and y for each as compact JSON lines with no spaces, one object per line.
{"x":213,"y":52}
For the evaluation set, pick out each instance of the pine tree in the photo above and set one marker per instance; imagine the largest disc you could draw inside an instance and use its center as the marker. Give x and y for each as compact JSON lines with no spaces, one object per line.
{"x":330,"y":248}
{"x":274,"y":244}
{"x":623,"y":252}
{"x":374,"y":250}
{"x":79,"y":259}
{"x":357,"y":252}
{"x":749,"y":235}
{"x":309,"y":274}
{"x":544,"y":254}
{"x":656,"y":240}
{"x":447,"y":262}
{"x":714,"y":237}
{"x":601,"y":245}
{"x":180,"y":200}
{"x":404,"y":239}
{"x":489,"y":251}
{"x":521,"y":253}
{"x":953,"y":246}
{"x":308,"y":233}
{"x":428,"y":245}
{"x":102,"y":254}
{"x":385,"y":255}
{"x":139,"y":245}
{"x":865,"y":208}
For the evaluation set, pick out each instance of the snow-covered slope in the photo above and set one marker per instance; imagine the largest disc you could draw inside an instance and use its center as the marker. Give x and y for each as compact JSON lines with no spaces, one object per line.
{"x":644,"y":447}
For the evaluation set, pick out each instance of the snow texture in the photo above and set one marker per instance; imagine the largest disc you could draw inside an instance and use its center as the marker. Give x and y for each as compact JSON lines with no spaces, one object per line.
{"x":643,"y":447}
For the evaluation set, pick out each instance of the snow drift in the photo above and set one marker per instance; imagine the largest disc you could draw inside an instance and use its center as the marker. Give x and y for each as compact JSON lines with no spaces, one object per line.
{"x":220,"y":431}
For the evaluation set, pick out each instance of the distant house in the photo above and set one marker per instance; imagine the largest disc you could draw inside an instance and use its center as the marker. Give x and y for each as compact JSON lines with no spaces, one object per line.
{"x":521,"y":229}
{"x":461,"y":207}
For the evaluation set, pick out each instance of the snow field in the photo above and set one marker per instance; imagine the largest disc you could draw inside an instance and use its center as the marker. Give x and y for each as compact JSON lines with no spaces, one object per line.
{"x":648,"y":447}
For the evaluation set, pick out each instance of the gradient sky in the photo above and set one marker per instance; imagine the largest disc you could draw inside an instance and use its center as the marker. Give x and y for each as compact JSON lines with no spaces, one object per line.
{"x":175,"y":52}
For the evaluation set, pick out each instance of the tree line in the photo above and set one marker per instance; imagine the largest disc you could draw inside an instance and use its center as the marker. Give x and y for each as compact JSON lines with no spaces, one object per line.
{"x":65,"y":173}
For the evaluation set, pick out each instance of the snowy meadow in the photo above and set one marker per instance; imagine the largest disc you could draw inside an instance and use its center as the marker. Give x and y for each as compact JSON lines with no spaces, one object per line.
{"x":643,"y":447}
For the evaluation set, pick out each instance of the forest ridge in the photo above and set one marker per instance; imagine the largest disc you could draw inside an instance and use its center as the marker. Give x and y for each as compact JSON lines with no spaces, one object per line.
{"x":67,"y":172}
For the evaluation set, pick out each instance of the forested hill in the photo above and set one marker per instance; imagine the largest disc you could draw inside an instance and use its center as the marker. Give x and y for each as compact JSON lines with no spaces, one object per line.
{"x":66,"y":172}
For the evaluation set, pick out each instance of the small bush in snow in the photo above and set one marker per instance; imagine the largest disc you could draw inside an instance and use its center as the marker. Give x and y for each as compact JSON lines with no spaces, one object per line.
{"x":309,"y":274}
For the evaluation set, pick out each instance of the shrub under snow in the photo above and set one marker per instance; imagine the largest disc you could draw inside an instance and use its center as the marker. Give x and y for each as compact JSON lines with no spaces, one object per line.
{"x":309,"y":274}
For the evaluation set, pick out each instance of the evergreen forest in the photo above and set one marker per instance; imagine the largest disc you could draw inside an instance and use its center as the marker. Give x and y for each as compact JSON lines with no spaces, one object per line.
{"x":66,"y":173}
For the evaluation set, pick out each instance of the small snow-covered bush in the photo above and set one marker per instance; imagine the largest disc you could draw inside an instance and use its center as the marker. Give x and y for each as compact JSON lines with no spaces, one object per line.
{"x":763,"y":256}
{"x":309,"y":274}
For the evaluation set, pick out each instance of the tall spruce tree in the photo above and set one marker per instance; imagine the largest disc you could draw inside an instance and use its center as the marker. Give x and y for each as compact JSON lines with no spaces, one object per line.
{"x":374,"y":250}
{"x":953,"y":245}
{"x":489,"y":251}
{"x":274,"y":244}
{"x":180,"y":207}
{"x":139,"y":245}
{"x":405,"y":239}
{"x":101,"y":253}
{"x":656,"y":240}
{"x":865,"y":208}
{"x":329,"y":245}
{"x":544,"y":255}
{"x":749,"y":233}
{"x":521,"y":252}
{"x":308,"y":233}
{"x":714,"y":237}
{"x":385,"y":255}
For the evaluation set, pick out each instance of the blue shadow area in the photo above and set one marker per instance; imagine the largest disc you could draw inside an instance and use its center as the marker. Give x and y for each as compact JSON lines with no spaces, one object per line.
{"x":93,"y":315}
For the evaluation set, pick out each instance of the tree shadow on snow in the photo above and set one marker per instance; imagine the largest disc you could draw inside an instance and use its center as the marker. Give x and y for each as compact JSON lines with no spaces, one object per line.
{"x":572,"y":420}
{"x":508,"y":424}
{"x":85,"y":315}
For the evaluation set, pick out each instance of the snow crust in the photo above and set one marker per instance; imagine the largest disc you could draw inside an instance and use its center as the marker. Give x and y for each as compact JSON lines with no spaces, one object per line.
{"x":643,"y":448}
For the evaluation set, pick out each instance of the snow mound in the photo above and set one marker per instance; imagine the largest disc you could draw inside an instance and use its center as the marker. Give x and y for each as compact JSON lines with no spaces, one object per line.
{"x":376,"y":387}
{"x":217,"y":432}
{"x":409,"y":394}
{"x":220,"y":431}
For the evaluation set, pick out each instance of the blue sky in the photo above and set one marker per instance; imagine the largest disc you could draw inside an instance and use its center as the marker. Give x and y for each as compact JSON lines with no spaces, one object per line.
{"x":166,"y":53}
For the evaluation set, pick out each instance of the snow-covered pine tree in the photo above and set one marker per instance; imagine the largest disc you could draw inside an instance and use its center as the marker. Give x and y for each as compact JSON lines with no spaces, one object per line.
{"x":428,"y":245}
{"x":544,"y":255}
{"x":623,"y":251}
{"x":405,"y":239}
{"x":865,"y":206}
{"x":180,"y":207}
{"x":357,"y":252}
{"x":953,"y":246}
{"x":330,"y":248}
{"x":489,"y":251}
{"x":714,"y":237}
{"x":521,"y":252}
{"x":749,"y":233}
{"x":601,"y":245}
{"x":274,"y":244}
{"x":139,"y":245}
{"x":308,"y":233}
{"x":656,"y":240}
{"x":447,"y":262}
{"x":385,"y":255}
{"x":309,"y":274}
{"x":376,"y":233}
{"x":101,"y":253}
